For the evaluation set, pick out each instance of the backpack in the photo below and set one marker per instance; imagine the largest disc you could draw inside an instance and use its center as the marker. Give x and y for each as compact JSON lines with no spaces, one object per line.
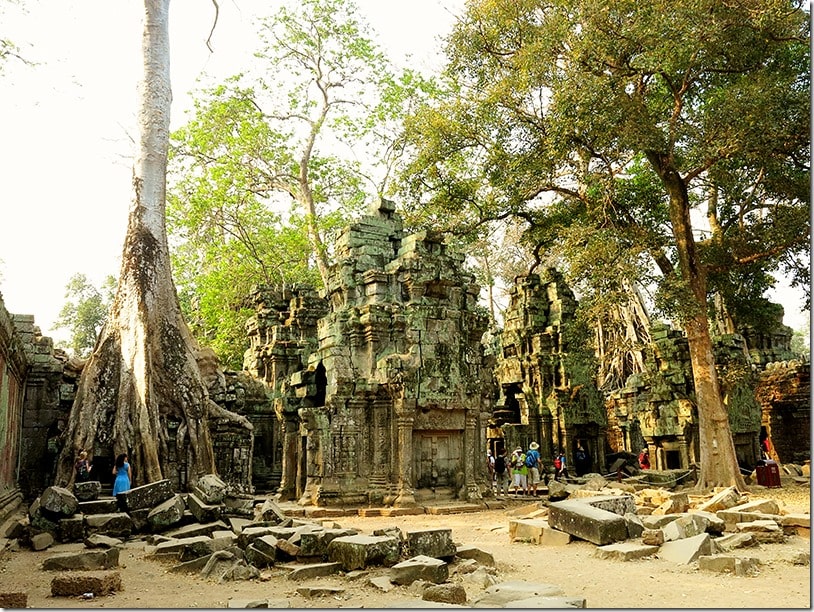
{"x":558,"y":463}
{"x":82,"y":471}
{"x":531,"y":460}
{"x":500,"y":464}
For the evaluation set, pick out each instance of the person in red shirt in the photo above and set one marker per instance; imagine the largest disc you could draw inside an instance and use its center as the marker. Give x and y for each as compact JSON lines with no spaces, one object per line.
{"x":644,"y":459}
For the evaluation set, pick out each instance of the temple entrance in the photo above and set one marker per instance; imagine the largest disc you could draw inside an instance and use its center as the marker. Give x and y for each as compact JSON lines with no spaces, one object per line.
{"x":438,"y":458}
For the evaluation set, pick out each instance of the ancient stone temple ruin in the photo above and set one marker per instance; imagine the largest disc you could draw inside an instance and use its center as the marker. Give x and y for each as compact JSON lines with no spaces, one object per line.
{"x":390,"y":404}
{"x":656,"y":409}
{"x":542,"y":398}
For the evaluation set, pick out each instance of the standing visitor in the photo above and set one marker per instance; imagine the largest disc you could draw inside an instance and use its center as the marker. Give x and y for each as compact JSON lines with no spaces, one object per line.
{"x":520,"y":471}
{"x":560,"y":469}
{"x":502,"y":482}
{"x":644,"y":459}
{"x":533,"y":464}
{"x":582,"y":460}
{"x":82,"y":467}
{"x":490,"y":465}
{"x":122,"y":473}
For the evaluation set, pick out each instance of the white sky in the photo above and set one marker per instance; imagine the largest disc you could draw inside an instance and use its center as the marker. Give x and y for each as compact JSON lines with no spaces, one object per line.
{"x":66,"y":123}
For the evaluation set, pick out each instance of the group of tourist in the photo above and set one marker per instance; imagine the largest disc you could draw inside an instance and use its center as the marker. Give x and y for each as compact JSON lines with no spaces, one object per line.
{"x":522,"y":470}
{"x":121,"y":470}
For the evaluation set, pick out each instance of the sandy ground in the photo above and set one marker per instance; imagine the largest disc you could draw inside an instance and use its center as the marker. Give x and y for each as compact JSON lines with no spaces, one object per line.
{"x":647,"y":583}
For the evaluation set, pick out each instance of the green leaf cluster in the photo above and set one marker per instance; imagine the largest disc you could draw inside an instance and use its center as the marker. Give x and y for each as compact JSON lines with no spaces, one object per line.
{"x":85,"y":312}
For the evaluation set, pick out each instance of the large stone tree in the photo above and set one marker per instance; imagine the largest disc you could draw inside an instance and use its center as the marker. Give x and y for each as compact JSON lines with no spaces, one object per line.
{"x":143,"y":374}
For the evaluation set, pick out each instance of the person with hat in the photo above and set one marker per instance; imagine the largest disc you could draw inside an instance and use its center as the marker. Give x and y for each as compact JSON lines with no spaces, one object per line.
{"x":534,"y":465}
{"x":520,"y":471}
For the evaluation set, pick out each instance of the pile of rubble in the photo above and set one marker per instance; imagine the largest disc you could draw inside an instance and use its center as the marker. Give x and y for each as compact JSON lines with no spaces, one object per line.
{"x":213,"y":535}
{"x":629,"y":522}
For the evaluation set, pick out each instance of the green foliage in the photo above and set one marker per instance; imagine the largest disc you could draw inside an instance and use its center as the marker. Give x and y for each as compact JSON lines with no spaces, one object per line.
{"x":270,"y":167}
{"x":592,"y":121}
{"x":85,"y":312}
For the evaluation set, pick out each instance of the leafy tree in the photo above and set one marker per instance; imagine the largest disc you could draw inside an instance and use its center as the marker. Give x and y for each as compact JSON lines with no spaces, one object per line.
{"x":85,"y":311}
{"x":606,"y":124}
{"x":143,"y":378}
{"x":272,"y":164}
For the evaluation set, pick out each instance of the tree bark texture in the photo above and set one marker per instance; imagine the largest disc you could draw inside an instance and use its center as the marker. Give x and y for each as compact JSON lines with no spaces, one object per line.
{"x":142,"y":375}
{"x":719,"y":464}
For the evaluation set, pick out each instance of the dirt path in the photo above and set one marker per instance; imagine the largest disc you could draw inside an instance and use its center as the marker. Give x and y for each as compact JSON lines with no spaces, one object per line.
{"x":603,"y":583}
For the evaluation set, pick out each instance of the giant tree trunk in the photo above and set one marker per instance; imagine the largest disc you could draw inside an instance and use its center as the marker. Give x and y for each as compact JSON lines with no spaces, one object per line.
{"x":719,"y":464}
{"x":142,"y":379}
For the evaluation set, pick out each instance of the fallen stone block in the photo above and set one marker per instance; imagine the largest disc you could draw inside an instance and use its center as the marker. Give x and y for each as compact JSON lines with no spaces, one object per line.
{"x":74,"y":584}
{"x":658,"y":521}
{"x":202,"y":511}
{"x":250,"y":534}
{"x":499,"y":595}
{"x":237,"y":523}
{"x":730,"y":565}
{"x":85,"y":560}
{"x":106,"y":505}
{"x":763,"y":506}
{"x":87,"y":491}
{"x":258,"y":558}
{"x":481,"y":576}
{"x":728,"y":498}
{"x":430,"y":543}
{"x":587,"y":522}
{"x":13,"y":599}
{"x":685,"y":526}
{"x":41,"y":541}
{"x":468,"y":551}
{"x":286,"y":549}
{"x":319,"y":591}
{"x":57,"y":503}
{"x":247,"y":603}
{"x":635,"y":527}
{"x":271,"y":512}
{"x":445,"y":593}
{"x":687,"y":550}
{"x":98,"y":540}
{"x":315,"y":543}
{"x":732,"y":541}
{"x":224,"y":566}
{"x":653,"y":537}
{"x":359,"y":551}
{"x":547,"y":602}
{"x":796,"y":520}
{"x":676,"y":504}
{"x":800,"y":558}
{"x":420,"y":567}
{"x":766,"y":531}
{"x":71,"y":529}
{"x":166,"y":514}
{"x":116,"y":525}
{"x":146,"y":496}
{"x":715,"y":526}
{"x":210,"y":489}
{"x":625,"y":551}
{"x":382,"y":583}
{"x":314,"y":570}
{"x":197,"y":529}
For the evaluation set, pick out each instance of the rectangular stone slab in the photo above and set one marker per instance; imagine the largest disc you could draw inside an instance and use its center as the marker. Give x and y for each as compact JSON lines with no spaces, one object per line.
{"x":583,"y":521}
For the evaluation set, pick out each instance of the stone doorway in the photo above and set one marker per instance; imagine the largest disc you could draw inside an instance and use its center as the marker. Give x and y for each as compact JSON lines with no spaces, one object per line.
{"x":438,"y":459}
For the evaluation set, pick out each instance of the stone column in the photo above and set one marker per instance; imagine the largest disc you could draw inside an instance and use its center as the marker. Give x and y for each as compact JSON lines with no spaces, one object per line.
{"x":380,"y":444}
{"x":684,"y":452}
{"x":406,"y":494}
{"x":291,"y":441}
{"x":473,"y":456}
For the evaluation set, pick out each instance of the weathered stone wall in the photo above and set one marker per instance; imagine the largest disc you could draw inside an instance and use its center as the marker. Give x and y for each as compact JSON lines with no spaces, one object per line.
{"x":545,"y":397}
{"x":13,"y":372}
{"x":784,"y":394}
{"x":656,"y":409}
{"x":392,"y":398}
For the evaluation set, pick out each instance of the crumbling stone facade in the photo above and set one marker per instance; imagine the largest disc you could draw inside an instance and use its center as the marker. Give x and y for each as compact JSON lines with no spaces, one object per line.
{"x":13,"y":374}
{"x":656,"y":409}
{"x":545,"y":396}
{"x":392,"y":400}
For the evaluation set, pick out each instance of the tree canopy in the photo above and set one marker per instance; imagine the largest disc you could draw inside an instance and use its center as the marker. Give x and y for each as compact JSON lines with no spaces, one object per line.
{"x":274,"y":161}
{"x":85,"y":311}
{"x":612,"y":129}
